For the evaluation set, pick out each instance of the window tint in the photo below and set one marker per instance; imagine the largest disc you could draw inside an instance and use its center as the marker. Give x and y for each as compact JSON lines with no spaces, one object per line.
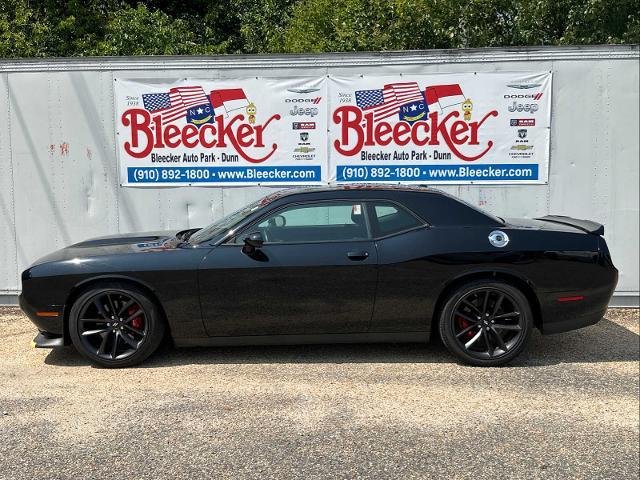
{"x":318,"y":222}
{"x":225,"y":223}
{"x":388,"y":219}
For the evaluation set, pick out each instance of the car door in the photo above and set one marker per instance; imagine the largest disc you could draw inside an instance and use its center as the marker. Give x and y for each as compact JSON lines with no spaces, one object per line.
{"x":406,"y":279}
{"x":316,"y":273}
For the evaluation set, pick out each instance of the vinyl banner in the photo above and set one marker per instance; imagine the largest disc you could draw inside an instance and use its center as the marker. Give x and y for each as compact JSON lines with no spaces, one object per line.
{"x":222,"y":132}
{"x":440,"y":128}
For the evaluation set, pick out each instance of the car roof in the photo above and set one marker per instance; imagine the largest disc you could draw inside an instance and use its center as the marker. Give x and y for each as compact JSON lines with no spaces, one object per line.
{"x":358,"y":187}
{"x":440,"y":209}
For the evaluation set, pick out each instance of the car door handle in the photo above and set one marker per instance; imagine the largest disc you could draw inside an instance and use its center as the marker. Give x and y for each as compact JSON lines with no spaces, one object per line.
{"x":358,"y":255}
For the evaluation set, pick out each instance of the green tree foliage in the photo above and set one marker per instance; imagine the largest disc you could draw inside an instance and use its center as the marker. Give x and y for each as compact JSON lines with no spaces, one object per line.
{"x":139,"y":31}
{"x":22,"y":33}
{"x":32,"y":28}
{"x":326,"y":25}
{"x":577,"y":22}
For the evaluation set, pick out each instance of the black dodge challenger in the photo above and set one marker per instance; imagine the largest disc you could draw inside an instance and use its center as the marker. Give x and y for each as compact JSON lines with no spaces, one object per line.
{"x":325,"y":265}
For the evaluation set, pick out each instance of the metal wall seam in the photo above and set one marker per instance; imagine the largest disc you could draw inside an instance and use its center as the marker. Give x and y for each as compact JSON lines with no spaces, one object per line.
{"x":52,"y":142}
{"x":115,"y":148}
{"x":327,"y":60}
{"x":550,"y":152}
{"x":12,"y":195}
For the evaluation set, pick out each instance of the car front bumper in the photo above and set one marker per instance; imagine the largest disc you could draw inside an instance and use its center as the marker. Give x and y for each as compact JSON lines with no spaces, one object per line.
{"x":49,"y":320}
{"x":46,"y":340}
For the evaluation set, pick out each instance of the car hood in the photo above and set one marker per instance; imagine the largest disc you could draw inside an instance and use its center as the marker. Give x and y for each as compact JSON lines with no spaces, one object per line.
{"x":126,"y":239}
{"x":128,"y":243}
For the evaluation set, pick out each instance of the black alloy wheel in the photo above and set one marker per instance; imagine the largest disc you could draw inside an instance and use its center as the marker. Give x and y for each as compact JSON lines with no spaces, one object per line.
{"x":486,"y":323}
{"x":115,"y":327}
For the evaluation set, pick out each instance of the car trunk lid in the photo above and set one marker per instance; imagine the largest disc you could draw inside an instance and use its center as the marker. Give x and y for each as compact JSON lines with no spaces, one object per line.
{"x":587,"y":226}
{"x":558,"y":223}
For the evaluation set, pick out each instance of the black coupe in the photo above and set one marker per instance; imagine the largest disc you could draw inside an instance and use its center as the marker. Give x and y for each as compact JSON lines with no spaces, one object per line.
{"x":325,"y":265}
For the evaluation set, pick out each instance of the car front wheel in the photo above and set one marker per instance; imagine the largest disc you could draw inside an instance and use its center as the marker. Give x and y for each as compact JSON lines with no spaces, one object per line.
{"x":115,"y":325}
{"x":486,"y":323}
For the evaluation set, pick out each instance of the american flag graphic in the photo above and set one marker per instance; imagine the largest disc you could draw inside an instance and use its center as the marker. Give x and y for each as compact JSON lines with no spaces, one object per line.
{"x":173,"y":105}
{"x":387,"y":102}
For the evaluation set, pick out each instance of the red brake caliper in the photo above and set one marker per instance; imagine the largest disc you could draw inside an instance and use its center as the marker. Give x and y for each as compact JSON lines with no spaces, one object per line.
{"x":137,"y":321}
{"x":462,"y":323}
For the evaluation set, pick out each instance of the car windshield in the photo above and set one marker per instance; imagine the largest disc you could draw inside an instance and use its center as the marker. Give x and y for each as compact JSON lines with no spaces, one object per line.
{"x":227,"y":222}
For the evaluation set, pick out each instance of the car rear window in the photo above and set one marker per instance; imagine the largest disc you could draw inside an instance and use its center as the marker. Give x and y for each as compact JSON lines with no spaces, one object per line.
{"x":389,"y":218}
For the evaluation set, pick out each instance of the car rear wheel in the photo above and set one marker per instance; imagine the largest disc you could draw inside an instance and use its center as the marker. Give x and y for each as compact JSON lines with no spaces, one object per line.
{"x":486,"y":323}
{"x":115,"y":325}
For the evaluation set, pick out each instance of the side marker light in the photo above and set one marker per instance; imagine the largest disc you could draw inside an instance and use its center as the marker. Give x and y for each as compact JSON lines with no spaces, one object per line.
{"x":571,"y":299}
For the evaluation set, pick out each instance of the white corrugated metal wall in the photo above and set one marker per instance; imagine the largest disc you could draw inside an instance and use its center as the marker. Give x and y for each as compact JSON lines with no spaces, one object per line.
{"x":58,"y":167}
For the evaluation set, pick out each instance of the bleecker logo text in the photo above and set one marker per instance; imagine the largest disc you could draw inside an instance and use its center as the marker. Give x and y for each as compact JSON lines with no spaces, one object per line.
{"x":148,"y":133}
{"x":358,"y":130}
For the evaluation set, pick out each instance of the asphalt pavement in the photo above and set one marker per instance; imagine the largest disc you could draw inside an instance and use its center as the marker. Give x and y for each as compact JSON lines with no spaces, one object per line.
{"x":567,"y":408}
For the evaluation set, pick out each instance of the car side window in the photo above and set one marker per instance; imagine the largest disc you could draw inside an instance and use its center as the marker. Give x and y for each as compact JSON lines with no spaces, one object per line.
{"x":316,"y":222}
{"x":388,"y":218}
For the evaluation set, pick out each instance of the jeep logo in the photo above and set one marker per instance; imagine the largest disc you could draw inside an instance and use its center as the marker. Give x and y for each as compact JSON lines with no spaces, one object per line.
{"x":523,"y":107}
{"x":308,"y":111}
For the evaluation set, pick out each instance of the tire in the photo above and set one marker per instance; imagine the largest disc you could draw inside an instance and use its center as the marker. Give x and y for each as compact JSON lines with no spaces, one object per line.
{"x":137,"y":331}
{"x":478,"y":333}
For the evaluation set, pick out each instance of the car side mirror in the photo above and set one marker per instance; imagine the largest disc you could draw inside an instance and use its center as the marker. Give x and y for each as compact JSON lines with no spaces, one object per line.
{"x":251,"y":242}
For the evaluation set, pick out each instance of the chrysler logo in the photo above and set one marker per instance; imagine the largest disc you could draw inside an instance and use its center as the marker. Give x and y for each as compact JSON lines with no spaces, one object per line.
{"x":302,"y":90}
{"x":524,"y":86}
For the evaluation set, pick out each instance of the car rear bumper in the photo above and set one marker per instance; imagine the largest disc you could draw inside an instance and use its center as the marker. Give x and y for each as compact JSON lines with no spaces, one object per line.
{"x":573,"y":323}
{"x":570,"y":310}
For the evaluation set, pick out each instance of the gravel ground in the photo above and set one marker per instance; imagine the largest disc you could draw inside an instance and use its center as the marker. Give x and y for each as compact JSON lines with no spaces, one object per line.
{"x":566,"y":409}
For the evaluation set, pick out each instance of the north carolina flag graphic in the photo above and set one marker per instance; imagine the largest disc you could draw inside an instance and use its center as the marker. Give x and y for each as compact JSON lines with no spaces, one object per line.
{"x":443,"y":96}
{"x":228,"y":100}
